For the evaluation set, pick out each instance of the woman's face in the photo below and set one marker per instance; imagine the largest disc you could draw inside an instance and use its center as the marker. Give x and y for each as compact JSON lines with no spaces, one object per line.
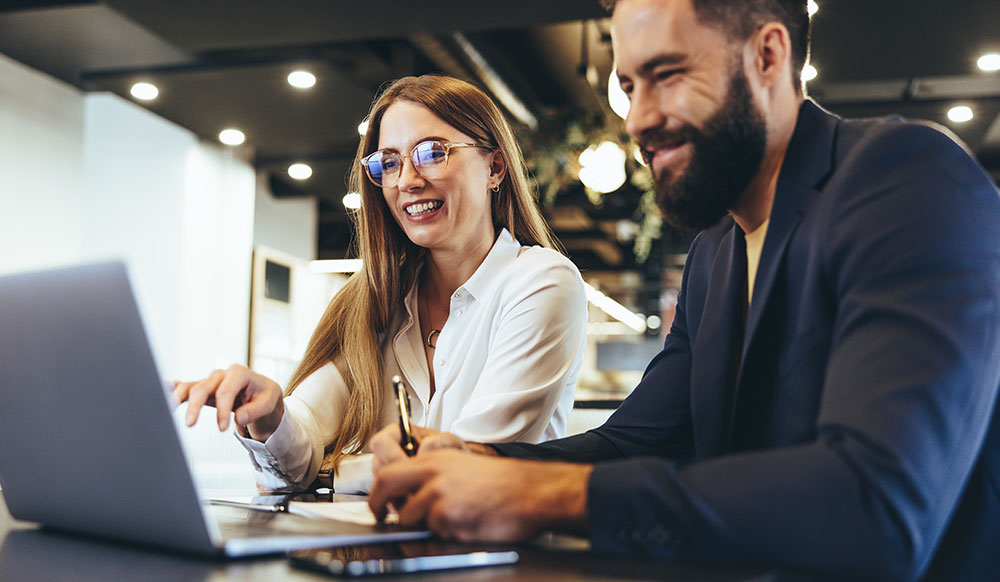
{"x":450,"y":212}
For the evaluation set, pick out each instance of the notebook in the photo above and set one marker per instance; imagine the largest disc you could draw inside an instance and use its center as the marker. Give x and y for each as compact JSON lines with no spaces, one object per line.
{"x":88,"y":443}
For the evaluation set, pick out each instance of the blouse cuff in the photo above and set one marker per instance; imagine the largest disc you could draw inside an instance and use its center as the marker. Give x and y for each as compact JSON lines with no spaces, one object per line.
{"x":285,"y":454}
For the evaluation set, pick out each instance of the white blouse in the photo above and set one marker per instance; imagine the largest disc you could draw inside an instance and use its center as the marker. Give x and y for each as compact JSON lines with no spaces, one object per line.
{"x":505,"y":368}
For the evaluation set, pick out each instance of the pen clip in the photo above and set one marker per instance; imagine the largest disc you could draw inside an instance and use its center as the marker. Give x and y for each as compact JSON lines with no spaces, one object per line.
{"x":406,"y":440}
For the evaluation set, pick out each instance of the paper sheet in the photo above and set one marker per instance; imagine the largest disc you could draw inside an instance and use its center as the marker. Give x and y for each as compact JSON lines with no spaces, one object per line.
{"x":352,"y":511}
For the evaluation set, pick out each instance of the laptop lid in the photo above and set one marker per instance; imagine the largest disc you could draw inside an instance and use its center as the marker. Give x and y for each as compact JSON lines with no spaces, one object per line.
{"x":88,"y":442}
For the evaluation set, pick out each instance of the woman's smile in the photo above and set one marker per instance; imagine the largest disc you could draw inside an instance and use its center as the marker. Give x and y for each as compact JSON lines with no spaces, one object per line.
{"x":423,"y":210}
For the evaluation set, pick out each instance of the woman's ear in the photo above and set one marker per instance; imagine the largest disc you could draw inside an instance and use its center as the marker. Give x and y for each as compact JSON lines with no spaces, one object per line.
{"x":498,"y":169}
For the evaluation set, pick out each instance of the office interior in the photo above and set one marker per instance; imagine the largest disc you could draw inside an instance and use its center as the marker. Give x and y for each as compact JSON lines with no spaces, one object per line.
{"x":229,"y":245}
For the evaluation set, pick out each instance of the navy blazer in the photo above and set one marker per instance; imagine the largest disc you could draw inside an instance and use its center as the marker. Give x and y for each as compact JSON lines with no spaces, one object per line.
{"x":845,"y":422}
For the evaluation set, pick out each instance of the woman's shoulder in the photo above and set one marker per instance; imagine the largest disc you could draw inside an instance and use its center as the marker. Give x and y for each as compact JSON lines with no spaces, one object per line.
{"x":537,"y":257}
{"x":537,"y":266}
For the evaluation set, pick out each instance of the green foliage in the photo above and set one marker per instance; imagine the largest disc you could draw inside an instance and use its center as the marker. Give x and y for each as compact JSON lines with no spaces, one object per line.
{"x":552,"y":153}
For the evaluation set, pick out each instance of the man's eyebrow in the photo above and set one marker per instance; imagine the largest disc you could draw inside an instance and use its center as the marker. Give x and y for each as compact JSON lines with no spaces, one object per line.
{"x":660,"y":60}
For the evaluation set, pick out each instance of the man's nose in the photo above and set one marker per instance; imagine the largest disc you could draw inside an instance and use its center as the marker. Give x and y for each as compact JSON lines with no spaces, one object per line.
{"x":644,"y":114}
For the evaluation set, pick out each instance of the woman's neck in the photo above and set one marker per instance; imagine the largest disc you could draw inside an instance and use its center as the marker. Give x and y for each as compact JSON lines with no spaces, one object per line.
{"x":446,"y":271}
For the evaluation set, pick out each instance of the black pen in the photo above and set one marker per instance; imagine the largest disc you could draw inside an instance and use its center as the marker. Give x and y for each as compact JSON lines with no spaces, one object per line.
{"x":406,"y":439}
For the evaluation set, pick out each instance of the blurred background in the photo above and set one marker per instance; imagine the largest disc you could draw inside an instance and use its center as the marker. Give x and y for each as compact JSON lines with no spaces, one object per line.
{"x":208,"y":142}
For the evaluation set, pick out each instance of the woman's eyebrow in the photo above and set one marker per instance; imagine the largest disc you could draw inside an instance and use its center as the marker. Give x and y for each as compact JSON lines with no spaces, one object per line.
{"x":419,"y":141}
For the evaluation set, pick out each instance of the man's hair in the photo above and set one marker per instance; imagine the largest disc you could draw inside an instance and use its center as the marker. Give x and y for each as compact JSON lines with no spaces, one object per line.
{"x":741,"y":19}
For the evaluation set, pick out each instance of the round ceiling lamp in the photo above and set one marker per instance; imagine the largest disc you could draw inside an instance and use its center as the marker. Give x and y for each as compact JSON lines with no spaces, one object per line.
{"x":603,"y":167}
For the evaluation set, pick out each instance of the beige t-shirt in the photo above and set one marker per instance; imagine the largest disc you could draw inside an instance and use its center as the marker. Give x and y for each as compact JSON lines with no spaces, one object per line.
{"x":755,"y":244}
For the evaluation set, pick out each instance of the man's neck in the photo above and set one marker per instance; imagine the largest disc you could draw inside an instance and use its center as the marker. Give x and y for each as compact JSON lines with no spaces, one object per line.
{"x":754,"y":206}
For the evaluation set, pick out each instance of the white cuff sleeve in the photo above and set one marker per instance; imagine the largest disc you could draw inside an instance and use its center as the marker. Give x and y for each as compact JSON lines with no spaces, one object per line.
{"x":285,"y":460}
{"x":354,"y":475}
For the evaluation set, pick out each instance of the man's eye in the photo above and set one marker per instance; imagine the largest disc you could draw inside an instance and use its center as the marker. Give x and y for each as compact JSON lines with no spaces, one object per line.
{"x":665,"y":74}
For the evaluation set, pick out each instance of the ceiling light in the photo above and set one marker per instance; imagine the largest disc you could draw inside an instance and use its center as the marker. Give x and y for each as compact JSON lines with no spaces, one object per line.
{"x":637,"y":154}
{"x":233,"y":137}
{"x":960,"y":114}
{"x":603,"y":167}
{"x":809,"y":73}
{"x":352,"y":200}
{"x":654,"y":322}
{"x":301,"y":79}
{"x":617,"y":98}
{"x":989,"y":62}
{"x":616,"y":310}
{"x":148,"y":91}
{"x":813,"y":7}
{"x":300,"y":171}
{"x":363,"y":127}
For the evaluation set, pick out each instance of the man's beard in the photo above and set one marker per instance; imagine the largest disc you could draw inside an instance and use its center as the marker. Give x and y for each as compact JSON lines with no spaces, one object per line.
{"x":725,"y":156}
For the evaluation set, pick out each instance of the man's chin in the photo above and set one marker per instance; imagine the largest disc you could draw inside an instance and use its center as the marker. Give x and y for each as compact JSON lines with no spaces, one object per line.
{"x":684,"y":212}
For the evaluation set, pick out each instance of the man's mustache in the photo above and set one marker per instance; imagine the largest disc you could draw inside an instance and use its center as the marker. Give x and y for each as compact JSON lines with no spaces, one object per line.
{"x":659,"y":138}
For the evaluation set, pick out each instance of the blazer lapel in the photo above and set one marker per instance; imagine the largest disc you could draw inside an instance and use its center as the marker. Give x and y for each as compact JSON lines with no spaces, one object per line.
{"x":806,"y":166}
{"x":717,"y":346}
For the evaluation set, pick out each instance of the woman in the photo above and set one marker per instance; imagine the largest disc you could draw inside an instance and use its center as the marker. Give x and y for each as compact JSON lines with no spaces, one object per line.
{"x":460,"y":294}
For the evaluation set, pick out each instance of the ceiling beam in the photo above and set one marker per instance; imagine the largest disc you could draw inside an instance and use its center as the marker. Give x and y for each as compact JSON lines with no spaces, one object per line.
{"x":915,"y":89}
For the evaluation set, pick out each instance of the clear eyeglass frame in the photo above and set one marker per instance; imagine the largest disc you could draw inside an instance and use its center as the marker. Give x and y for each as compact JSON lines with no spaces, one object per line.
{"x":426,"y":157}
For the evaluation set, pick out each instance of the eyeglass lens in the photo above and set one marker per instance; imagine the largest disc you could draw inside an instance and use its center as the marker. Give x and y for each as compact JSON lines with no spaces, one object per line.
{"x":429,"y":159}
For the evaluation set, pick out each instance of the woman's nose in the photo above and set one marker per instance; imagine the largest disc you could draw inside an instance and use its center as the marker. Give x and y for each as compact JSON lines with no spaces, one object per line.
{"x":409,"y":177}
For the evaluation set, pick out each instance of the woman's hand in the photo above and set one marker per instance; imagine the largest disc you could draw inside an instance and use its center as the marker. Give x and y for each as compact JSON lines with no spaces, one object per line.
{"x":255,"y":400}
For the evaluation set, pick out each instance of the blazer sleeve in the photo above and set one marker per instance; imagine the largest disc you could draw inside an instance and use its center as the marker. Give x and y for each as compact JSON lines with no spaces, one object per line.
{"x":912,"y":253}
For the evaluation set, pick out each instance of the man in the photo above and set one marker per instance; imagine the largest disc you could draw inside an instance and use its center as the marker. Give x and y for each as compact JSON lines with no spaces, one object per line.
{"x":830,"y":409}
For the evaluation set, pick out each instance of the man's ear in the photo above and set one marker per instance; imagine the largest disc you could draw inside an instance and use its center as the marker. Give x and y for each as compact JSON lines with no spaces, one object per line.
{"x":498,"y":168}
{"x":772,"y":50}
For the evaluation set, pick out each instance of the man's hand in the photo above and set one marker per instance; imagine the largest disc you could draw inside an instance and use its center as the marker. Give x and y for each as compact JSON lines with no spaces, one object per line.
{"x":385,"y":444}
{"x":474,"y":497}
{"x":255,"y":399}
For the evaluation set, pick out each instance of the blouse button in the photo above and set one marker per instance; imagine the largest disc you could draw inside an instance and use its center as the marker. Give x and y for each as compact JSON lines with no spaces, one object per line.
{"x":458,"y":313}
{"x":441,"y":362}
{"x":458,"y":294}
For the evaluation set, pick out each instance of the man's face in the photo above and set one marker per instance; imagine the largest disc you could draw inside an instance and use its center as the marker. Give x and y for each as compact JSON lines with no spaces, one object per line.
{"x":692,"y":110}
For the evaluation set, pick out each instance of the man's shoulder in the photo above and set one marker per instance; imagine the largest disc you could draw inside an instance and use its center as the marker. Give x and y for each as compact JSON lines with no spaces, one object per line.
{"x":911,"y":162}
{"x":893,"y":139}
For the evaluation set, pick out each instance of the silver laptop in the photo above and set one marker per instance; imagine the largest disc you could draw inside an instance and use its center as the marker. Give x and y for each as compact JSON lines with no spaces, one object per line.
{"x":88,"y":443}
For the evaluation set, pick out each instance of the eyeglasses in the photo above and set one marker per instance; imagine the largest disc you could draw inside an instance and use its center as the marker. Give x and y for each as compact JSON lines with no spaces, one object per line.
{"x":430,"y":158}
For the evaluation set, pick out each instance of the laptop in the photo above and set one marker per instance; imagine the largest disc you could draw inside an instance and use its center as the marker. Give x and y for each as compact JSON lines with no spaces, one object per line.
{"x":88,"y":442}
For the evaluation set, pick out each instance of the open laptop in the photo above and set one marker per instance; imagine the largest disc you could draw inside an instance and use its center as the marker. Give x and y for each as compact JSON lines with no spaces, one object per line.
{"x":88,"y":443}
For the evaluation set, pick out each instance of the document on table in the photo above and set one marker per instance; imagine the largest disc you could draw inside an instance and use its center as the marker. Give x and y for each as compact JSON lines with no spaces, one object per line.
{"x":350,"y":511}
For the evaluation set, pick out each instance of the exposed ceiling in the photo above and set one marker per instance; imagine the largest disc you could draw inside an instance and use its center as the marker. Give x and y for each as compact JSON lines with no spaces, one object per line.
{"x":224,"y":63}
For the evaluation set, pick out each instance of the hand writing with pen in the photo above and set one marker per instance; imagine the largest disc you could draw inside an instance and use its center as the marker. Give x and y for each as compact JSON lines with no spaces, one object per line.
{"x":464,"y":491}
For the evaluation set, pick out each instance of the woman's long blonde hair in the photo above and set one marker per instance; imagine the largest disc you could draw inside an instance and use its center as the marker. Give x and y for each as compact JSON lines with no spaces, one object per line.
{"x":350,"y":330}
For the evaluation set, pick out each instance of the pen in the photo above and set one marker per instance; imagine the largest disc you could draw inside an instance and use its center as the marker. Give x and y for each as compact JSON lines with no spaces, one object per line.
{"x":278,"y":508}
{"x":406,"y":439}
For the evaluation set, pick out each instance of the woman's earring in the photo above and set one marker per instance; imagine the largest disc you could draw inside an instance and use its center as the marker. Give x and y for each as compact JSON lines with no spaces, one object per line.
{"x":496,"y":188}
